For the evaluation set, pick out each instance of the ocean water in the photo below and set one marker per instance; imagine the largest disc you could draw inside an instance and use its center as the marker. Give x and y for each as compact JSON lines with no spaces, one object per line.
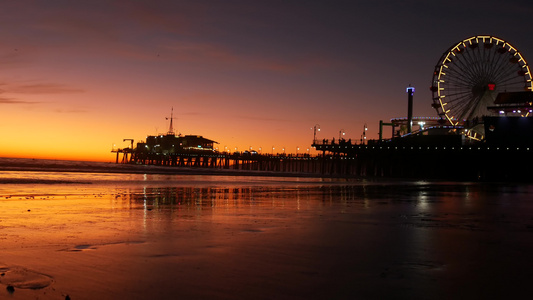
{"x":97,"y":235}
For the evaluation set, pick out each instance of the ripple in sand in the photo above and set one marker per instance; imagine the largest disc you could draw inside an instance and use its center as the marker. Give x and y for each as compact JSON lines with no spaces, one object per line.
{"x":253,"y":230}
{"x":406,"y":270}
{"x":83,"y":247}
{"x":22,"y":278}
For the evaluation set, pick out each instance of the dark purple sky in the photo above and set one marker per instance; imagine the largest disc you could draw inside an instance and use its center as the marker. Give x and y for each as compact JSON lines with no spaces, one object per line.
{"x":244,"y":73}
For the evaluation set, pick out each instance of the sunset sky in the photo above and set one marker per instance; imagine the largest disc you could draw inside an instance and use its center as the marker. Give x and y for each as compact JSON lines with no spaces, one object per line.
{"x":77,"y":77}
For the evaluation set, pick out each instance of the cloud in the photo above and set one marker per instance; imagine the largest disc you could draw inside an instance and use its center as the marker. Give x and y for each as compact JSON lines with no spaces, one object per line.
{"x":259,"y":118}
{"x":69,"y":111}
{"x":15,"y":101}
{"x":42,"y":88}
{"x":192,"y":31}
{"x":192,"y":113}
{"x":32,"y":89}
{"x":14,"y":58}
{"x":216,"y":54}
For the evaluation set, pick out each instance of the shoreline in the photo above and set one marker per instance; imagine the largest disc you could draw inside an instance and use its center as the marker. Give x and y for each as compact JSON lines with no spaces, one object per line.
{"x":48,"y":165}
{"x":38,"y":165}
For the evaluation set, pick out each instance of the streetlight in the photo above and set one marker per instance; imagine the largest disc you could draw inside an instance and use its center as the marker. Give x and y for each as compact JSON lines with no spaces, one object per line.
{"x":273,"y":150}
{"x":315,"y":128}
{"x":341,"y":134}
{"x":363,"y":137}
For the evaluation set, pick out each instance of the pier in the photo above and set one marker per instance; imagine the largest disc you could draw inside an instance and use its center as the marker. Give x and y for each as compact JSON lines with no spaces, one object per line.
{"x":374,"y":160}
{"x":302,"y":163}
{"x":495,"y":143}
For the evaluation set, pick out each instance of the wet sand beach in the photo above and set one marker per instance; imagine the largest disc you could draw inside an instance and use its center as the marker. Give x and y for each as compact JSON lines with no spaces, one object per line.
{"x":159,"y":236}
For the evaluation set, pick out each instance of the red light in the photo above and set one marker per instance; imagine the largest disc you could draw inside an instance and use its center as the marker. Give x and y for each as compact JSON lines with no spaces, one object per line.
{"x":492,"y":86}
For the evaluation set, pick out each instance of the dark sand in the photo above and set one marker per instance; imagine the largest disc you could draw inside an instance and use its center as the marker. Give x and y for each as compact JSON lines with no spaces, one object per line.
{"x":214,"y":237}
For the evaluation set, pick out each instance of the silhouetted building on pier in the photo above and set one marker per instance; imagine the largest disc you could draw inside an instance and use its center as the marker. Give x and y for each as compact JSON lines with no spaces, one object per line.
{"x":170,"y":143}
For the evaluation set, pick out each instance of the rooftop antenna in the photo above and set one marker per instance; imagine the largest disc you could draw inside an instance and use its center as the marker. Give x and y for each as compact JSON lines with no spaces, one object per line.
{"x":170,"y":128}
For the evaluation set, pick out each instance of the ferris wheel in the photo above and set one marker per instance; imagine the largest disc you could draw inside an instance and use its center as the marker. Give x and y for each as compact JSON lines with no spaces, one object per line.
{"x":471,"y":73}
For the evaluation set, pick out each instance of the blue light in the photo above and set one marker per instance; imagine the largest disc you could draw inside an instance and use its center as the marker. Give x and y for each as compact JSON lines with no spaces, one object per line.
{"x":410,"y":89}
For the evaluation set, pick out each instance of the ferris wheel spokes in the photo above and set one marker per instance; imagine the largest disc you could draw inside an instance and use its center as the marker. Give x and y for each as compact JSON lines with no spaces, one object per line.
{"x":471,"y":73}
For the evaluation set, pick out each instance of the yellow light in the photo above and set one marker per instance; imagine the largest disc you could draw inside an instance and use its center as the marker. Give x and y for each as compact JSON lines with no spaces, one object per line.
{"x":497,"y":39}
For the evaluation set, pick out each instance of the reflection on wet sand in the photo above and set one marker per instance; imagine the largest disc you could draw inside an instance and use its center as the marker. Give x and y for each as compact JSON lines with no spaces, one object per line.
{"x":170,"y":237}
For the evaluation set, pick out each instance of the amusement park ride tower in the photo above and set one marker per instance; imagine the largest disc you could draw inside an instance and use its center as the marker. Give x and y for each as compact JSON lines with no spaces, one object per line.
{"x":410,"y":91}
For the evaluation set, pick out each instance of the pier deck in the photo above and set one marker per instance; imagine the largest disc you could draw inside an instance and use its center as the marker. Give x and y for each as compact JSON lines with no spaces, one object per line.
{"x":382,"y":160}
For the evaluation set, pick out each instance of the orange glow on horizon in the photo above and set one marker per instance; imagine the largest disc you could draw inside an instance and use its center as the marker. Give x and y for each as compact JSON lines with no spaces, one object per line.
{"x":69,"y":91}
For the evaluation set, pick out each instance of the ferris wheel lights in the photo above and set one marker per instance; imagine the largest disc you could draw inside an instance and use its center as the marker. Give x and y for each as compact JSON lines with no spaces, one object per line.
{"x":488,"y":54}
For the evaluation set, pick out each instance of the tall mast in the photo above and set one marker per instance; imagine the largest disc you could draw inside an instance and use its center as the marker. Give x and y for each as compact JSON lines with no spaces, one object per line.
{"x":171,"y":128}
